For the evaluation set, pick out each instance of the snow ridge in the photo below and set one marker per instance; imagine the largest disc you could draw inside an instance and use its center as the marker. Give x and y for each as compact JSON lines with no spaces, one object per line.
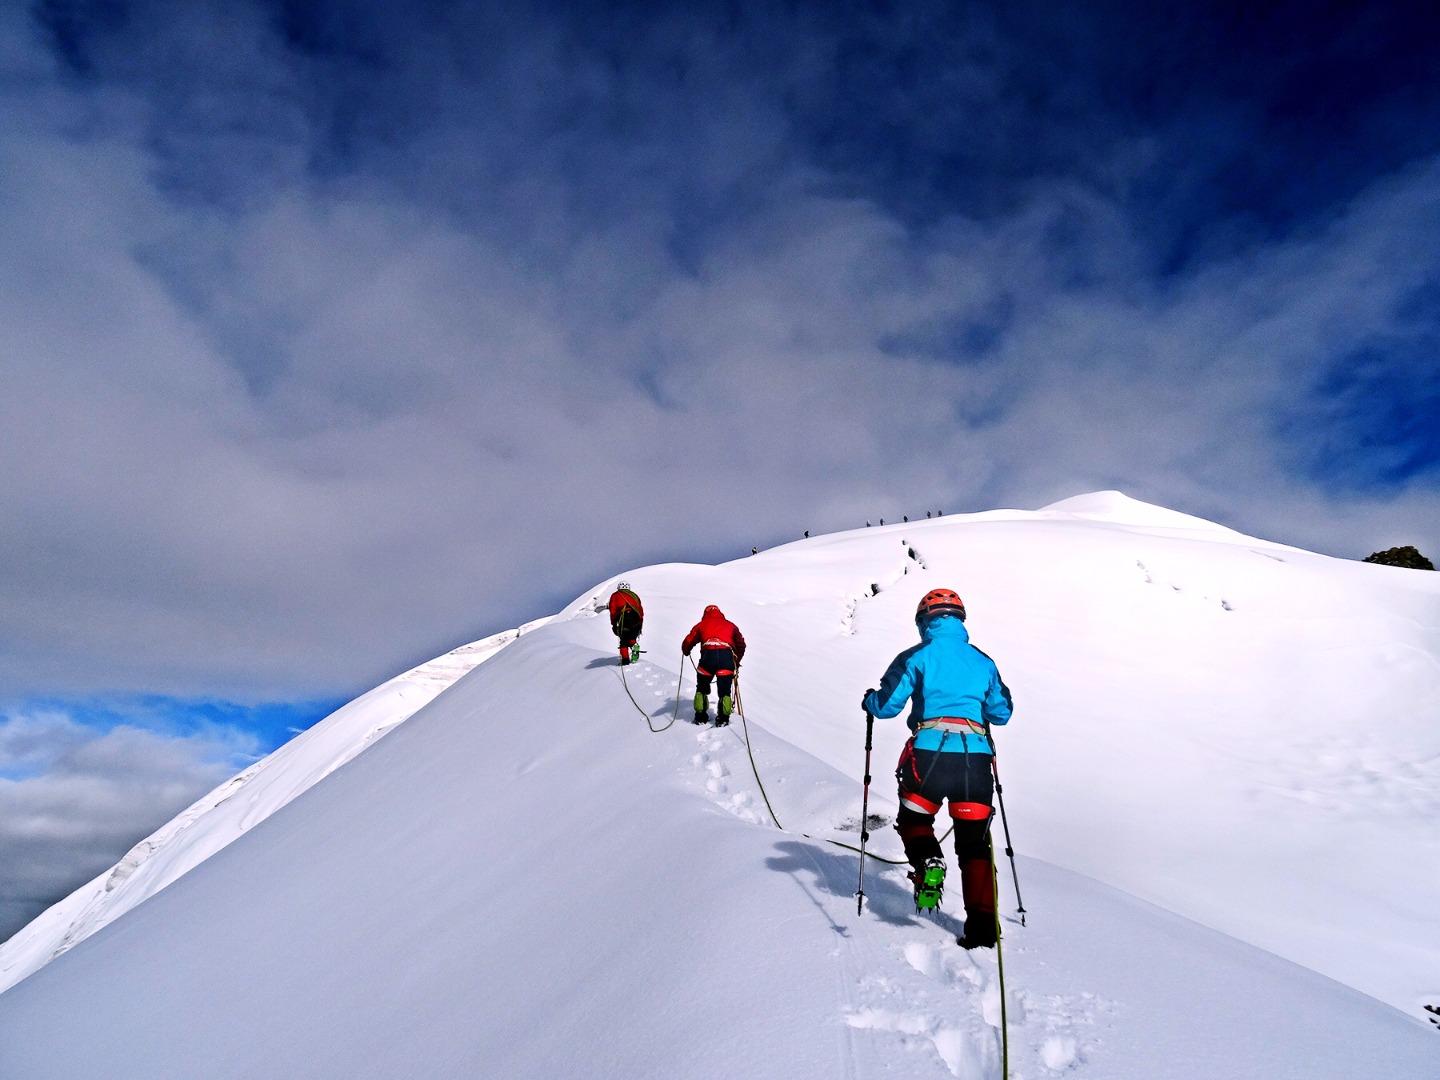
{"x":1200,"y":717}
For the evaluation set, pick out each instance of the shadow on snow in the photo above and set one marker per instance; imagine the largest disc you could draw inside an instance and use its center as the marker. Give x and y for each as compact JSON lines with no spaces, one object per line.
{"x":837,"y":872}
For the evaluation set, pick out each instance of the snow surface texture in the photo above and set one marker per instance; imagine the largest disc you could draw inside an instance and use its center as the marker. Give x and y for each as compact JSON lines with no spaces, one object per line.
{"x":1223,"y":770}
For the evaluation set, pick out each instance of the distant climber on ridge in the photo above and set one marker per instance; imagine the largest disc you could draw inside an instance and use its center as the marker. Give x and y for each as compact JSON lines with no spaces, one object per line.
{"x":955,"y":692}
{"x":722,"y":647}
{"x":627,"y":616}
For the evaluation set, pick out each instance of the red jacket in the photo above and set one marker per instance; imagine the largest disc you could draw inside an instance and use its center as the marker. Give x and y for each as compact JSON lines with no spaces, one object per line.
{"x":621,"y":599}
{"x":714,"y":631}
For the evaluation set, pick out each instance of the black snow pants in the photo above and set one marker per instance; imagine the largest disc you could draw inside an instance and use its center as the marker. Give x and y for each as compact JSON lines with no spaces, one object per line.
{"x":928,"y":779}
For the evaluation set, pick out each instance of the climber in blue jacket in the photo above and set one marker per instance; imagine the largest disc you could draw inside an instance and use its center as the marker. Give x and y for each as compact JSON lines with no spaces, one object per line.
{"x":955,"y":693}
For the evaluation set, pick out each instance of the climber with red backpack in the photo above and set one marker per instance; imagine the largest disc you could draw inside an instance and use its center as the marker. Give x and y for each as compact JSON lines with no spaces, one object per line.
{"x":627,"y":616}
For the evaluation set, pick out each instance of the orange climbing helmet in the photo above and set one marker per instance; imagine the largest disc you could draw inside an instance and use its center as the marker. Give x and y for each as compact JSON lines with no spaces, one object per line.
{"x":940,"y":602}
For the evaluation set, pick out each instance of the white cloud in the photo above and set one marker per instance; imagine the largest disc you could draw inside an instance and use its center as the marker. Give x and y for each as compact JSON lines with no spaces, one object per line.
{"x":286,"y":442}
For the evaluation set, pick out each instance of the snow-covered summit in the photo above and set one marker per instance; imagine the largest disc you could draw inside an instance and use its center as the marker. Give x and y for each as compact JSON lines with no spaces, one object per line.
{"x":1221,"y":778}
{"x":1121,"y":509}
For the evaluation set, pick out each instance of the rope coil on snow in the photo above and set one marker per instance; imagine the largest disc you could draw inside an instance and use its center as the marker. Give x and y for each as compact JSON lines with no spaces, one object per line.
{"x":625,"y":682}
{"x":745,"y":727}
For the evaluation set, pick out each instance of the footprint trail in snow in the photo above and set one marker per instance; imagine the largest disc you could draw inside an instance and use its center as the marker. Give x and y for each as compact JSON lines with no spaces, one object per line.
{"x":915,"y":986}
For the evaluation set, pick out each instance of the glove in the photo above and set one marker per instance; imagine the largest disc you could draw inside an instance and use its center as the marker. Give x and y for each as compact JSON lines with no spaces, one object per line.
{"x":864,"y":700}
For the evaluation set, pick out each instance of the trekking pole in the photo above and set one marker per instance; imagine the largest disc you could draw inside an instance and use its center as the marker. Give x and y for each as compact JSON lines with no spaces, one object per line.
{"x":865,"y":813}
{"x":1004,"y":822}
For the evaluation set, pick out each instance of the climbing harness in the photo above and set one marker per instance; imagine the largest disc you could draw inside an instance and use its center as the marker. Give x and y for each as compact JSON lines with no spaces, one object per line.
{"x":915,"y":764}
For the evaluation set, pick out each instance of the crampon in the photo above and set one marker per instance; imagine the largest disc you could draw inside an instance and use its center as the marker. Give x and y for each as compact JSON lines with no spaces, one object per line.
{"x":929,"y":883}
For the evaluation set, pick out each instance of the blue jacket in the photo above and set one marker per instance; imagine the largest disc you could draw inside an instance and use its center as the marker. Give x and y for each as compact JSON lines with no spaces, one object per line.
{"x":943,"y":676}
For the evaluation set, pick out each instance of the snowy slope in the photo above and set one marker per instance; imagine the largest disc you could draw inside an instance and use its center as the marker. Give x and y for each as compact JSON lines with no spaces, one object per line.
{"x":1223,"y":767}
{"x":235,"y":807}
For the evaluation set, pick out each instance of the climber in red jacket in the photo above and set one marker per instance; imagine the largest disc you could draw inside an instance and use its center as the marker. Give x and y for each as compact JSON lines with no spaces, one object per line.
{"x":626,"y":618}
{"x":722,"y":647}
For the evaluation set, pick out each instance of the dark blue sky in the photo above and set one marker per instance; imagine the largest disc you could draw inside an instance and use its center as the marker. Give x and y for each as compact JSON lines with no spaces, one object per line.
{"x":340,"y":334}
{"x":1214,"y":124}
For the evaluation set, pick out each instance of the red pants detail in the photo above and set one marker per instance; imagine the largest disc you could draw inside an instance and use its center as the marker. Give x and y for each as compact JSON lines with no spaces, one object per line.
{"x":977,"y":879}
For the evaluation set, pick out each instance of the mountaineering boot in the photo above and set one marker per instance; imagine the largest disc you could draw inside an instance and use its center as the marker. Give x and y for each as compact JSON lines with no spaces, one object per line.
{"x":979,"y":931}
{"x":624,"y":655}
{"x":727,"y":706}
{"x":702,"y":704}
{"x":977,"y":884}
{"x":929,"y":883}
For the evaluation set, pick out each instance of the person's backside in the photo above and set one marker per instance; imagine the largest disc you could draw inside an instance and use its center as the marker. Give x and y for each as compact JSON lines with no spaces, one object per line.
{"x":627,"y":618}
{"x":955,"y":692}
{"x":722,"y":647}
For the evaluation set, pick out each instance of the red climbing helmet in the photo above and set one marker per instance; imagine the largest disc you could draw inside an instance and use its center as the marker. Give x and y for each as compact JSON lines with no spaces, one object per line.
{"x":940,"y":602}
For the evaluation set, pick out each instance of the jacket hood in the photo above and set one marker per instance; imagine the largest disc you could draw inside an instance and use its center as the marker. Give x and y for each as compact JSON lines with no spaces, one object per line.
{"x":711,"y":609}
{"x":943,"y":626}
